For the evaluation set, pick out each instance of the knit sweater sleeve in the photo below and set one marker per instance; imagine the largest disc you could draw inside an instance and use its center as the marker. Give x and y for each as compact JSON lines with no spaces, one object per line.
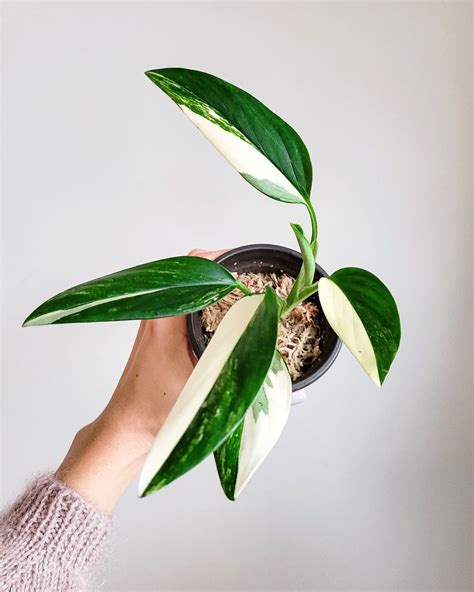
{"x":49,"y":538}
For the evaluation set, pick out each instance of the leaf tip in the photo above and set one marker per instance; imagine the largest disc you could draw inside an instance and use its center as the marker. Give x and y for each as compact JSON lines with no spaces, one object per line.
{"x":230,"y":496}
{"x":35,"y":320}
{"x":144,"y":491}
{"x":28,"y":322}
{"x":151,"y":75}
{"x":296,"y":227}
{"x":143,"y":486}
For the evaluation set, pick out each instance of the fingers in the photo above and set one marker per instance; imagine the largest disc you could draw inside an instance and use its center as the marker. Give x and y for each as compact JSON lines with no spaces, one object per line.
{"x":207,"y":254}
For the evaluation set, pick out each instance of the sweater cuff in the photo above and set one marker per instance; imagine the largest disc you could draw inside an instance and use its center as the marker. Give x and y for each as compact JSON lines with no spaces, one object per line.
{"x":51,"y":525}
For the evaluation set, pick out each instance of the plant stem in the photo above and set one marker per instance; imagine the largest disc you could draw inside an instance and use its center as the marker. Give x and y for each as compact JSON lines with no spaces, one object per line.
{"x":314,"y":226}
{"x":302,"y":284}
{"x":244,"y":289}
{"x":304,"y":294}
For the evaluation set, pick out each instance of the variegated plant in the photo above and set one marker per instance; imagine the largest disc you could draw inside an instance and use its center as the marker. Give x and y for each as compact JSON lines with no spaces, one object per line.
{"x":237,"y":400}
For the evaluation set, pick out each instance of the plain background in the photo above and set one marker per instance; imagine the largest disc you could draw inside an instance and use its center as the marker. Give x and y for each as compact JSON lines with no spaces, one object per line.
{"x":366,"y":489}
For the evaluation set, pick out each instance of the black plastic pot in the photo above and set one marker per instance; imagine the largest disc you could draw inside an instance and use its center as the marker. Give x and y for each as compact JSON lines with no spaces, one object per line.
{"x":269,"y":259}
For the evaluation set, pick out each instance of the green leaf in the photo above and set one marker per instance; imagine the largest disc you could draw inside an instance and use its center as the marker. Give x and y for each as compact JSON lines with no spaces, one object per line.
{"x":246,"y":448}
{"x":309,"y":264}
{"x":168,"y":287}
{"x":264,"y":149}
{"x":227,"y":461}
{"x":308,"y":268}
{"x":221,"y":388}
{"x":363,"y":313}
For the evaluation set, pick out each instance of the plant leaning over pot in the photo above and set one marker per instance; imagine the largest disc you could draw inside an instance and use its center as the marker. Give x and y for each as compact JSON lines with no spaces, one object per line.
{"x":237,"y":400}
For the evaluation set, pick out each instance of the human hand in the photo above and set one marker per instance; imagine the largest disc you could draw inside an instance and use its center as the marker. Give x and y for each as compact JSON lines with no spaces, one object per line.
{"x":106,"y":454}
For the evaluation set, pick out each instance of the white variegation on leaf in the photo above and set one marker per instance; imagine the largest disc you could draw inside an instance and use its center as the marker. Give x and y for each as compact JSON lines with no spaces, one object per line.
{"x":347,"y":324}
{"x":55,"y":316}
{"x":245,"y":158}
{"x":263,"y":427}
{"x":245,"y":450}
{"x":199,"y":385}
{"x":263,"y":148}
{"x":363,"y":313}
{"x":167,"y":287}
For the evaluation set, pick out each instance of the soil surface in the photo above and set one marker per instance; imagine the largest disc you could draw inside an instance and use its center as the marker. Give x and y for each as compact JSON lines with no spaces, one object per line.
{"x":299,"y":333}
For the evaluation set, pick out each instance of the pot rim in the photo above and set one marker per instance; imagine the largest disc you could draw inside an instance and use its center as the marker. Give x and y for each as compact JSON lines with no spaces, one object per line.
{"x":305,"y":380}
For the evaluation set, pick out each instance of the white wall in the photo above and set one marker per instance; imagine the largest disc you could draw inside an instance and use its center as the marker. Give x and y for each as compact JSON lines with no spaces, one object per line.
{"x":367,"y":489}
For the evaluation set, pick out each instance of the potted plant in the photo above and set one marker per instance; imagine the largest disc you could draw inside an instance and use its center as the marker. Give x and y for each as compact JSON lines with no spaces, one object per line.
{"x":260,"y":316}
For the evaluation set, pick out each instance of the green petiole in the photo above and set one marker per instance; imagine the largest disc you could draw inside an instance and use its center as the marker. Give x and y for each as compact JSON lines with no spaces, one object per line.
{"x":243,"y":288}
{"x":302,"y":295}
{"x":314,"y":227}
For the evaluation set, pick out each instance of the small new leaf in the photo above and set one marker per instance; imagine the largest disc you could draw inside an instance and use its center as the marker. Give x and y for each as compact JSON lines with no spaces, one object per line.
{"x":309,"y":264}
{"x":306,"y":274}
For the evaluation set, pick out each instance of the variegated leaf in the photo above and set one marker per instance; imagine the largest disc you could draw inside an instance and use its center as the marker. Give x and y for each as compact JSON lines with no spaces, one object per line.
{"x":219,"y":391}
{"x":363,"y":313}
{"x":248,"y":446}
{"x":167,"y":287}
{"x":264,"y":149}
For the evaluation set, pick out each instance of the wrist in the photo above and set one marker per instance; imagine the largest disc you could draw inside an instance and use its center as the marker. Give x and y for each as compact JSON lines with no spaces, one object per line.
{"x":103,"y":459}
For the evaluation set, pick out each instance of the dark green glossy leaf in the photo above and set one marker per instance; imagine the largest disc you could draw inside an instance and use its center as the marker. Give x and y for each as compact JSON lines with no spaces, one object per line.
{"x":264,"y":149}
{"x":167,"y":287}
{"x":227,"y":461}
{"x":246,"y":448}
{"x":225,"y":404}
{"x":362,"y":311}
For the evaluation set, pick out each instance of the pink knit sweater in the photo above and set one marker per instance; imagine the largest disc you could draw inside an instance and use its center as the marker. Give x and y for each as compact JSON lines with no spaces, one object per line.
{"x":49,"y":538}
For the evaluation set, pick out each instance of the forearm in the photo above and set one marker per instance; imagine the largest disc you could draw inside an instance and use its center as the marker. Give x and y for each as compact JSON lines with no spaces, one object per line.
{"x":48,"y":539}
{"x":103,"y":459}
{"x":106,"y":455}
{"x":56,"y":529}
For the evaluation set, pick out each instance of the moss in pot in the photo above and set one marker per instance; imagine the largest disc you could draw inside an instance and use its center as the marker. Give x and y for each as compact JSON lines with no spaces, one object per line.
{"x":309,"y":348}
{"x":237,"y":400}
